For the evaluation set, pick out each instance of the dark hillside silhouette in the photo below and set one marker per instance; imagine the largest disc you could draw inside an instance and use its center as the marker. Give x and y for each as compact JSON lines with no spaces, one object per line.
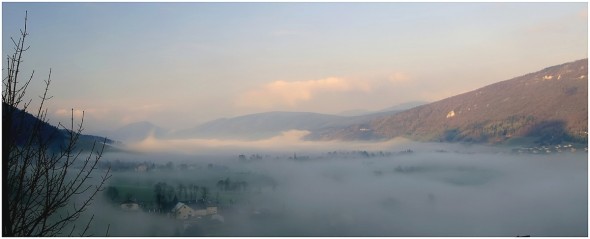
{"x":26,"y":126}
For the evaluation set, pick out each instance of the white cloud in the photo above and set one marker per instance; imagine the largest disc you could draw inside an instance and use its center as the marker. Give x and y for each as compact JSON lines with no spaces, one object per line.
{"x":291,"y":93}
{"x":398,"y":77}
{"x":68,"y":112}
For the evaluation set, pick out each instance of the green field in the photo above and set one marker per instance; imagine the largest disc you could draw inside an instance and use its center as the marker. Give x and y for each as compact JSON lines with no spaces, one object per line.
{"x":140,"y":186}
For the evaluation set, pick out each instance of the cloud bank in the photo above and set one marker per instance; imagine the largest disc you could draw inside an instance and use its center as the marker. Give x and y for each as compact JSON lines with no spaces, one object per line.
{"x":292,"y":93}
{"x":288,"y":140}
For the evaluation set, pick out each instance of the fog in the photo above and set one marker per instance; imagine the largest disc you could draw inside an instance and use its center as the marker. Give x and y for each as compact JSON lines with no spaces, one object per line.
{"x":292,"y":140}
{"x":395,"y":188}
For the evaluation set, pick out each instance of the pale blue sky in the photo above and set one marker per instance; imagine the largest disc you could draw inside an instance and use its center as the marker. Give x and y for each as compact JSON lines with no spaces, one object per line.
{"x":181,"y":64}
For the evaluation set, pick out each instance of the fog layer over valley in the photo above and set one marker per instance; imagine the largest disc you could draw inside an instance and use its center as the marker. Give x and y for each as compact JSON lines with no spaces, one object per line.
{"x":396,"y":188}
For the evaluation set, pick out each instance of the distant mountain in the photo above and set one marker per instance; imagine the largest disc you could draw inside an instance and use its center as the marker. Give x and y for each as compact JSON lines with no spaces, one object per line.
{"x":136,"y":132}
{"x":399,"y":107}
{"x":269,"y":124}
{"x":404,"y":106}
{"x":26,"y":126}
{"x":548,"y":106}
{"x":258,"y":126}
{"x":355,"y":112}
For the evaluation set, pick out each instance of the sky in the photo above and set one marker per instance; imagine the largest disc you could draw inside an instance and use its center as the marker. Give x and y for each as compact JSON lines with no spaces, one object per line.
{"x":178,"y":65}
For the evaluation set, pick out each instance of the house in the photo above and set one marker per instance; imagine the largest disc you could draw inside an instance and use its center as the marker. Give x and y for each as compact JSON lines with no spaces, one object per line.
{"x":201,"y":212}
{"x":211,"y":210}
{"x":206,"y":211}
{"x":130,"y":205}
{"x":182,"y":211}
{"x":141,"y":168}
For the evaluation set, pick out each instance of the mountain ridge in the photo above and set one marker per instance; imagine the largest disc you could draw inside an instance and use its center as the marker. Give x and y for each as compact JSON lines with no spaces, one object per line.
{"x":267,"y":124}
{"x":548,"y":103}
{"x":258,"y":125}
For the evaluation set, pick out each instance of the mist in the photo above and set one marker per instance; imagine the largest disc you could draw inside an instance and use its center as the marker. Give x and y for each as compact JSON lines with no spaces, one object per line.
{"x":398,"y":188}
{"x":286,"y":141}
{"x":395,"y":188}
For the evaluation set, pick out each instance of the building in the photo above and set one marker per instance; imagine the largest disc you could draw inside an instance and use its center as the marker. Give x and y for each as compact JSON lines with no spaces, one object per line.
{"x":182,"y":211}
{"x":201,"y":212}
{"x":141,"y":168}
{"x":211,"y":210}
{"x":130,"y":205}
{"x":206,"y":211}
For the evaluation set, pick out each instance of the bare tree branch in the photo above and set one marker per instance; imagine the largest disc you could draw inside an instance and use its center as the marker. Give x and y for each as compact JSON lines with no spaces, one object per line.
{"x":43,"y":168}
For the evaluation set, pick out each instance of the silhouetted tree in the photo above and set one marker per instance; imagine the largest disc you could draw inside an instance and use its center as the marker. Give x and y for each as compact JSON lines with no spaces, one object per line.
{"x":42,"y":168}
{"x":160,"y":194}
{"x":227,"y":184}
{"x":170,"y":165}
{"x":204,"y":194}
{"x":196,"y":189}
{"x":189,"y":191}
{"x":181,"y":191}
{"x":221,"y":184}
{"x":217,"y":200}
{"x":129,"y":197}
{"x":112,"y":193}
